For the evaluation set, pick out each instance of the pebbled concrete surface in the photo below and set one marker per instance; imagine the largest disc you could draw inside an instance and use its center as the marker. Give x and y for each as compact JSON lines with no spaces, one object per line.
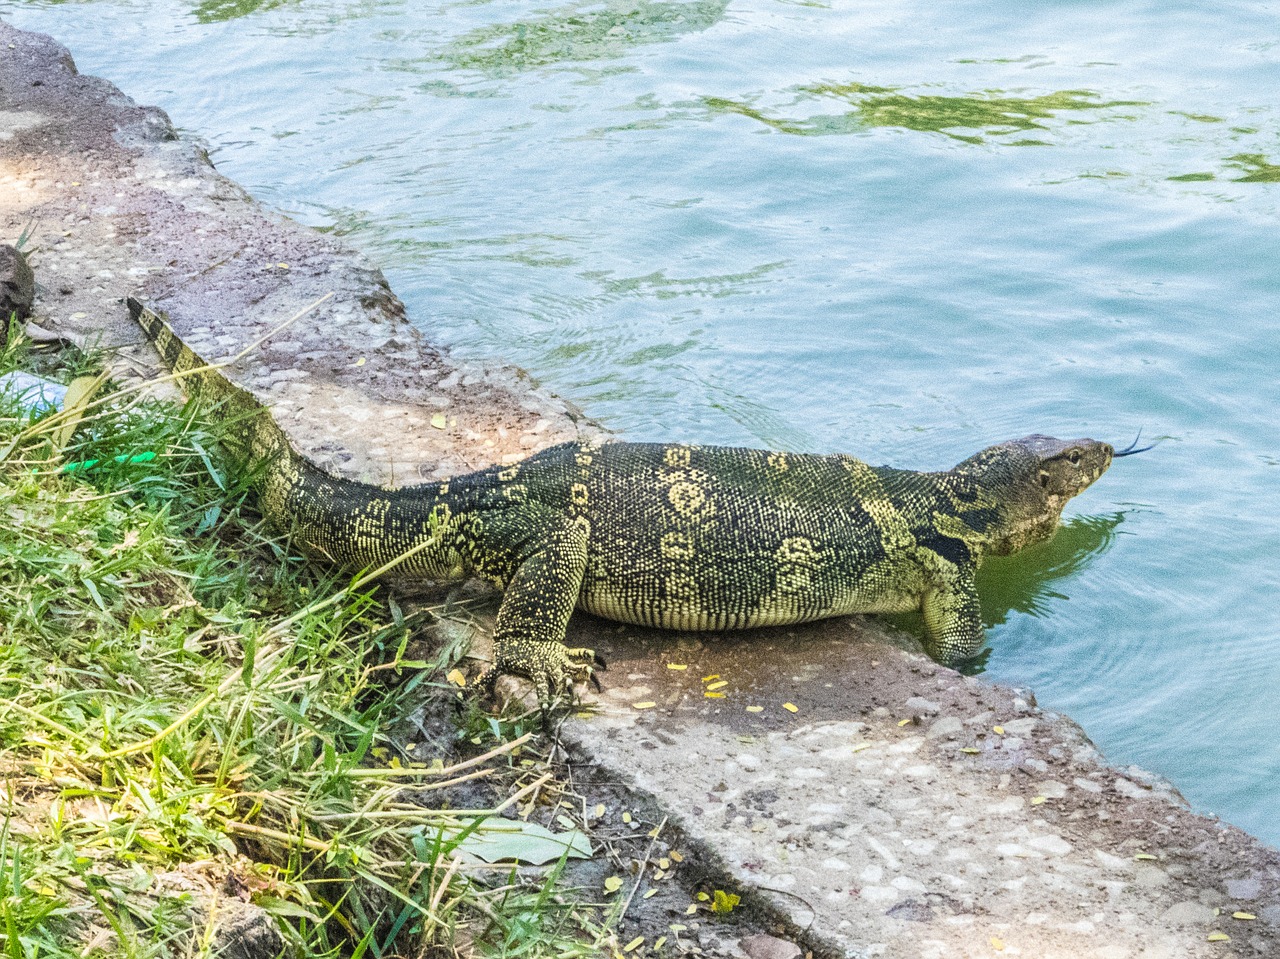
{"x":907,"y":812}
{"x":886,"y":816}
{"x":120,"y":205}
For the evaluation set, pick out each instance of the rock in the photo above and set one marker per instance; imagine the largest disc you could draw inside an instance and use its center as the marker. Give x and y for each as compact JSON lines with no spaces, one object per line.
{"x":1020,"y":727}
{"x":1051,"y":845}
{"x":243,"y":931}
{"x":1131,"y":790}
{"x":1052,"y":789}
{"x":768,"y":947}
{"x":918,"y":704}
{"x":1150,"y":876}
{"x":1244,"y":888}
{"x":948,"y":726}
{"x":17,"y":288}
{"x":1188,"y":913}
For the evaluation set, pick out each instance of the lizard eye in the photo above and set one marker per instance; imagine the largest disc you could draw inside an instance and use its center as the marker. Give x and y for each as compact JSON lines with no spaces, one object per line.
{"x":1074,"y":457}
{"x":1044,"y":478}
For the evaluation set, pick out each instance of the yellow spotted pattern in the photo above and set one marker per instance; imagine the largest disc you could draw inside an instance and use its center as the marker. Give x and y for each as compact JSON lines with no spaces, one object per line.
{"x":679,"y":536}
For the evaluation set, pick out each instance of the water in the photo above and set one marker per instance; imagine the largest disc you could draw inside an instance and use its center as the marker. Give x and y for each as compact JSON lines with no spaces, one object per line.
{"x":901,"y":230}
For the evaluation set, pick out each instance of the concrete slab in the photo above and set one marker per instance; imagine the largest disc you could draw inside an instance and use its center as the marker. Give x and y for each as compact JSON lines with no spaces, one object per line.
{"x":905,"y":811}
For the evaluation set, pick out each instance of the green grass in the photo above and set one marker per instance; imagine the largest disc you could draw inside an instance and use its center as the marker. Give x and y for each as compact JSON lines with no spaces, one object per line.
{"x":191,"y":714}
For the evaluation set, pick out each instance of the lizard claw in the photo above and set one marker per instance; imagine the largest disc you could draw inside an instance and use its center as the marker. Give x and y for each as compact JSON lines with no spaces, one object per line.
{"x":552,"y":667}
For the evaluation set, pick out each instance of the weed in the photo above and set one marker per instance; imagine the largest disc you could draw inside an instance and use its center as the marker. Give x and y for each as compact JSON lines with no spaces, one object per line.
{"x":191,"y":716}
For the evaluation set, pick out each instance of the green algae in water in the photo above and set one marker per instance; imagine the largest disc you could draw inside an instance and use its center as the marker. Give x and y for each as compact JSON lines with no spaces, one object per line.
{"x":989,"y":114}
{"x":579,"y":33}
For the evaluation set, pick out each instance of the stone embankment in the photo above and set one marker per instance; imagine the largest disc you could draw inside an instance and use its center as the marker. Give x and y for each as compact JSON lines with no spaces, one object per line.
{"x":862,"y":800}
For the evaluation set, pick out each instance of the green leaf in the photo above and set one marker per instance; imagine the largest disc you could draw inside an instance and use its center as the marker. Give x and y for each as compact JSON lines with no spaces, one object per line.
{"x":508,"y":840}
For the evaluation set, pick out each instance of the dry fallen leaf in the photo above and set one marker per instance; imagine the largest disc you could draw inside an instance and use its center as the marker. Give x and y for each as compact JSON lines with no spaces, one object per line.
{"x":724,"y":902}
{"x":612,"y":884}
{"x":644,"y":705}
{"x":755,"y":709}
{"x":720,"y":685}
{"x":438,"y":420}
{"x":676,"y":666}
{"x":1243,"y":915}
{"x":997,"y":944}
{"x":791,"y":707}
{"x":1218,"y":937}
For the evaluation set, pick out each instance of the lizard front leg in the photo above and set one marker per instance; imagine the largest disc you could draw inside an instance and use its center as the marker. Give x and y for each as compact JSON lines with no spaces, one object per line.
{"x":952,"y":617}
{"x":539,"y":598}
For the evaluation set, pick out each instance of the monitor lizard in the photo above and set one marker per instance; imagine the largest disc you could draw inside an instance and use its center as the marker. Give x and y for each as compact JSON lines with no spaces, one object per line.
{"x":675,"y":536}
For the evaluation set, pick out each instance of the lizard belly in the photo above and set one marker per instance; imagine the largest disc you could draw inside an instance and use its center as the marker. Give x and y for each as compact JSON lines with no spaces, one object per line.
{"x":687,"y":596}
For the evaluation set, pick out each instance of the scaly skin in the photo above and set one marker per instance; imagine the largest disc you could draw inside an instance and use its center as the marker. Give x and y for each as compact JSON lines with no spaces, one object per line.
{"x":673,"y":536}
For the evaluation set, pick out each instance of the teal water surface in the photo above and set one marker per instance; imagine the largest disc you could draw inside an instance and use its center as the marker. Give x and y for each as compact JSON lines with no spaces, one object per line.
{"x":901,"y":230}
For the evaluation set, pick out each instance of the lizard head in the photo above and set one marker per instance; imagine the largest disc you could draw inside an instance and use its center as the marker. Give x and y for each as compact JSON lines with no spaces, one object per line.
{"x":1023,"y":484}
